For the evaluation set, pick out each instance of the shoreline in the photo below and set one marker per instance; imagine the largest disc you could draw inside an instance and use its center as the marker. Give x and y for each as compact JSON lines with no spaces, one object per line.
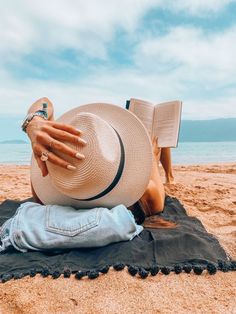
{"x":187,"y":153}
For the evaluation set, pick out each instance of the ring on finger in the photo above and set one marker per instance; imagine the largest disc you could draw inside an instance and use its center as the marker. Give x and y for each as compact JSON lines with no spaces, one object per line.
{"x":50,"y":144}
{"x":44,"y":156}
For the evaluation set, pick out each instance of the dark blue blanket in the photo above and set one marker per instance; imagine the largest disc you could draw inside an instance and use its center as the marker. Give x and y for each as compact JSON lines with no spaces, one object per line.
{"x":186,"y":248}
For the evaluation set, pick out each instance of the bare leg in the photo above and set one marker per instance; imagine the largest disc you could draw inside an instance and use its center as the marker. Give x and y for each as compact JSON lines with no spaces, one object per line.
{"x":165,"y":160}
{"x":153,"y":199}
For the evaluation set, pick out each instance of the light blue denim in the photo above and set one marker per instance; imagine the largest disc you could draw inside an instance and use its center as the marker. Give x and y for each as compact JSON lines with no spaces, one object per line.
{"x":49,"y":227}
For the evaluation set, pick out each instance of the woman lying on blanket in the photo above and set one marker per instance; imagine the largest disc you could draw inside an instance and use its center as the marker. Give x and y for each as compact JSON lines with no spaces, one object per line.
{"x":46,"y":133}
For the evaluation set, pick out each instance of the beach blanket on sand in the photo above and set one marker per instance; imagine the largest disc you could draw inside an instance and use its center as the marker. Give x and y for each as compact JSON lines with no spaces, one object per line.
{"x":186,"y":248}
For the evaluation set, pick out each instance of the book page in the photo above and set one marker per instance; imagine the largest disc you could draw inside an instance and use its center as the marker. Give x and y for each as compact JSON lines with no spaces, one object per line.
{"x":144,"y":111}
{"x":166,"y":123}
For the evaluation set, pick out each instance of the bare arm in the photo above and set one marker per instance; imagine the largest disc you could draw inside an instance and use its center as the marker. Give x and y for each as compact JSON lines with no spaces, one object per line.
{"x":37,"y":105}
{"x":49,"y":134}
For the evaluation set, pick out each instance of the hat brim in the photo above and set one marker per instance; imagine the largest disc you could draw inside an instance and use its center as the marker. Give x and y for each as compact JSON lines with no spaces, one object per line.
{"x":137,"y":168}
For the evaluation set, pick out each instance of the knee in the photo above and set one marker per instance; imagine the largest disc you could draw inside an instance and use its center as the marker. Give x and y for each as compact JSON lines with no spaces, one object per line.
{"x":155,"y":197}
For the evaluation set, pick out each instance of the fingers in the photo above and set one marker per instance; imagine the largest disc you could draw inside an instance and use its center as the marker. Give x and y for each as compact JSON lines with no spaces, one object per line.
{"x":51,"y":134}
{"x":60,"y":162}
{"x":52,"y":158}
{"x":63,"y":135}
{"x":156,"y":149}
{"x":154,"y":144}
{"x":57,"y":145}
{"x":67,"y":128}
{"x":42,"y":165}
{"x":155,"y":140}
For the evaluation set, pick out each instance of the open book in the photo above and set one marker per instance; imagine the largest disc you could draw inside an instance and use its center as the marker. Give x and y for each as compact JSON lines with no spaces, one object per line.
{"x":161,"y":120}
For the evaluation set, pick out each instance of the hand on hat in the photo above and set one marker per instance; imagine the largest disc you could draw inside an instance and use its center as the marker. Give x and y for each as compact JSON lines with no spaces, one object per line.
{"x":45,"y":134}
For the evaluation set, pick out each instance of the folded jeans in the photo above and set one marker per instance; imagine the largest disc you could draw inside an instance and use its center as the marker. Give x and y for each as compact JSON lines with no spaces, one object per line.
{"x":52,"y":227}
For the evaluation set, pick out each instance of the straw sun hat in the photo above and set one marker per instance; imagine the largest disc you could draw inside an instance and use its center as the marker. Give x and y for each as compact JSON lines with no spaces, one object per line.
{"x":117,"y":165}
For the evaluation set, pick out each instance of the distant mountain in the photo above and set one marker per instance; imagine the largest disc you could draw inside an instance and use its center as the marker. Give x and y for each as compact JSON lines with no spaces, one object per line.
{"x":190,"y":130}
{"x":13,"y":142}
{"x":219,"y":130}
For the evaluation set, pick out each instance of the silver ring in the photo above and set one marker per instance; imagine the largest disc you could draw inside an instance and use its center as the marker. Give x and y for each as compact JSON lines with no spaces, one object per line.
{"x":44,"y":156}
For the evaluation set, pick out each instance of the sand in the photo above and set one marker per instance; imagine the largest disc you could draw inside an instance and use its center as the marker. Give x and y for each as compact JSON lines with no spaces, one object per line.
{"x":207,"y":192}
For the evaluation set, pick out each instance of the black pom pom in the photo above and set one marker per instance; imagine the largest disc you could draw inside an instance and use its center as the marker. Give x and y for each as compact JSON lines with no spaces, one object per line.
{"x":220,"y":264}
{"x":67,"y":273}
{"x":143,"y":273}
{"x":212,"y":269}
{"x":104,"y":269}
{"x":45,"y":272}
{"x":119,"y":266}
{"x":187,"y":268}
{"x":233,"y":265}
{"x":154,"y":270}
{"x":132,"y":270}
{"x":56,"y":274}
{"x":165,"y":270}
{"x":6,"y":277}
{"x":93,"y":274}
{"x":33,"y":273}
{"x":80,"y":274}
{"x":177,"y":269}
{"x":224,"y":266}
{"x":18,"y":276}
{"x":198,"y":270}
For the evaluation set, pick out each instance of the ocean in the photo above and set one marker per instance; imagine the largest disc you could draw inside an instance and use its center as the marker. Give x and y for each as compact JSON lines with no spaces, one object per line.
{"x":185,"y":153}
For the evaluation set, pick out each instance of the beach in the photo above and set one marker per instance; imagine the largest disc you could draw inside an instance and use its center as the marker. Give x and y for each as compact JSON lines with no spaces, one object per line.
{"x":207,"y":191}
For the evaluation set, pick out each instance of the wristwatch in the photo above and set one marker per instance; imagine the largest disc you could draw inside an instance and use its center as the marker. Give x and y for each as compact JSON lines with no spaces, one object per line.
{"x":30,"y":116}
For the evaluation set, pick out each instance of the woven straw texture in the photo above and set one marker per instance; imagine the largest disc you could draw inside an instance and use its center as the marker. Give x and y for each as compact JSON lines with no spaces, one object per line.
{"x":137,"y":168}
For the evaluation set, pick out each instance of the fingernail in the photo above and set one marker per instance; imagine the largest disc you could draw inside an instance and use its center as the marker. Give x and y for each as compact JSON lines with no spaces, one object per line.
{"x":79,"y":156}
{"x":82,"y":141}
{"x":69,"y":167}
{"x":79,"y":130}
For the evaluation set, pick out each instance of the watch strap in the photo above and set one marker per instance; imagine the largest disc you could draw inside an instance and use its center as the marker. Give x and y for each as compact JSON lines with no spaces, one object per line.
{"x":30,"y":116}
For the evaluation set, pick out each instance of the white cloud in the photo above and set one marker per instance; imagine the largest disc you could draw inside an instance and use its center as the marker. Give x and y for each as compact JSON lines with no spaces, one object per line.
{"x":180,"y":64}
{"x":114,"y":88}
{"x":224,"y":107}
{"x":30,"y":25}
{"x":89,"y":25}
{"x":199,"y":56}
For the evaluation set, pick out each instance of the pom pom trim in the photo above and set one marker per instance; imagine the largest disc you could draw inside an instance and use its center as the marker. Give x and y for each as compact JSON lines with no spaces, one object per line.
{"x":133,"y":270}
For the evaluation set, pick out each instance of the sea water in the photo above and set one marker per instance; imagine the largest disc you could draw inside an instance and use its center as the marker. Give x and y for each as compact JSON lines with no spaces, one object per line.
{"x":185,"y":153}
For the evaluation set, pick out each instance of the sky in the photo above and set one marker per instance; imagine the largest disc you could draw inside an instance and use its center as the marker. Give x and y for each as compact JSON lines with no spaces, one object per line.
{"x":77,"y":52}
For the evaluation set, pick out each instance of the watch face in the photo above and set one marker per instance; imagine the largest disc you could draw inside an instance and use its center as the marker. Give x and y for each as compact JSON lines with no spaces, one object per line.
{"x":39,"y":113}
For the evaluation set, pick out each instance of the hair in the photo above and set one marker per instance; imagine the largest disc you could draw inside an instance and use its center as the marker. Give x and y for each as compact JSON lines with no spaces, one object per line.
{"x":144,"y":215}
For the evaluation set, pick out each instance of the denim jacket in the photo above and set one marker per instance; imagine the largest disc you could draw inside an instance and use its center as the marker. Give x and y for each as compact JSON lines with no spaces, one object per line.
{"x":49,"y":227}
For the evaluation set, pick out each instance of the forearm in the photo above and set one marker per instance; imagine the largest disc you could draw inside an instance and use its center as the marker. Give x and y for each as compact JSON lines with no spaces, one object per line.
{"x":48,"y":137}
{"x":38,"y":105}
